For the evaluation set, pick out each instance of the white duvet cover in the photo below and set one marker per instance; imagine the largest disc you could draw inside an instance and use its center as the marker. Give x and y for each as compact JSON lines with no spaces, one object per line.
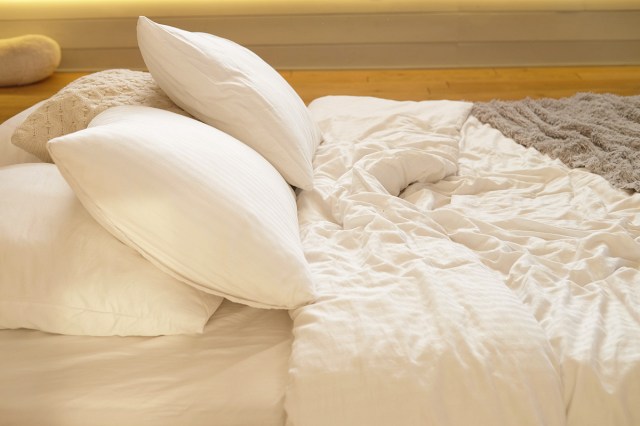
{"x":462,"y":279}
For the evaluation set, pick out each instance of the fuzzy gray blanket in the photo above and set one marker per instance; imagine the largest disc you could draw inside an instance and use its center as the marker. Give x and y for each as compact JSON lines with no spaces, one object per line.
{"x":600,"y":132}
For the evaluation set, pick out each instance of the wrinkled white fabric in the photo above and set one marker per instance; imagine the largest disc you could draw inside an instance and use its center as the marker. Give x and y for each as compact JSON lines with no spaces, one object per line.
{"x":568,"y":245}
{"x":461,"y":279}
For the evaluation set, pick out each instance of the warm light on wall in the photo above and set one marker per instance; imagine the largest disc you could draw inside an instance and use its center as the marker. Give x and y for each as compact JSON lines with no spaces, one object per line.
{"x":36,"y":9}
{"x":59,"y":9}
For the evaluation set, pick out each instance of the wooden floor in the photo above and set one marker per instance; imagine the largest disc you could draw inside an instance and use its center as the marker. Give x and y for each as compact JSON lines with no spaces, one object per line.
{"x":456,"y":84}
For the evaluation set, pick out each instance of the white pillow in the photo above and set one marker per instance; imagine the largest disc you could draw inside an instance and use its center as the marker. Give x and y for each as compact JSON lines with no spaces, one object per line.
{"x":9,"y":153}
{"x":192,"y":199}
{"x":62,"y":272}
{"x":229,"y":87}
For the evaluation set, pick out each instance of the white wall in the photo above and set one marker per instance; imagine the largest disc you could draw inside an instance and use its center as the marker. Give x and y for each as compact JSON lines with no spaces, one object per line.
{"x":297,"y":34}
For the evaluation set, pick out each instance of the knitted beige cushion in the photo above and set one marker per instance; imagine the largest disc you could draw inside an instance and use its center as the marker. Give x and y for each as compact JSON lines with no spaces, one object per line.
{"x":74,"y":106}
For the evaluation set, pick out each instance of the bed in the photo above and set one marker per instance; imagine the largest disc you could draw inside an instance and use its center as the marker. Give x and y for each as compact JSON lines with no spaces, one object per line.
{"x":449,"y":275}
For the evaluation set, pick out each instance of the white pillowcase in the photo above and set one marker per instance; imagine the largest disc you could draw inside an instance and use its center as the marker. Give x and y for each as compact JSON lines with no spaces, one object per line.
{"x":9,"y":153}
{"x":192,"y":199}
{"x":62,"y":272}
{"x":229,"y":87}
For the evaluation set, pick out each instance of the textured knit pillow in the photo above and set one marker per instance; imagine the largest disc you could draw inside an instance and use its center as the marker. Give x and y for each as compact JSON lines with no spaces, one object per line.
{"x":73,"y":107}
{"x":229,"y":87}
{"x":9,"y":153}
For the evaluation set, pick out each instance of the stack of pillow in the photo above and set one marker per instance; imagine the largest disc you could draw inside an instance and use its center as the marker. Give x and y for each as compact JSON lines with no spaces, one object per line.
{"x":170,"y":191}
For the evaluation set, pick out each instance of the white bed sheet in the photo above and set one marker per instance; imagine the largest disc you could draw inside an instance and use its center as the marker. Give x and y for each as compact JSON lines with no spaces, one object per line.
{"x":233,"y":374}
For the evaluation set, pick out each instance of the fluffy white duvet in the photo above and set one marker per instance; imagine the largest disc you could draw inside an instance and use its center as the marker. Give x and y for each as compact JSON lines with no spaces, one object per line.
{"x":461,"y":279}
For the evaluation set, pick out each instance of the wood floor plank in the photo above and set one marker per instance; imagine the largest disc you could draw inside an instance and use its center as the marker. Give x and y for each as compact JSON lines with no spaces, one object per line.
{"x":471,"y":84}
{"x":15,"y":99}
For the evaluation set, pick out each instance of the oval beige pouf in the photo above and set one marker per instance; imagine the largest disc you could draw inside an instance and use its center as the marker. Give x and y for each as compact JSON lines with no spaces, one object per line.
{"x":27,"y":59}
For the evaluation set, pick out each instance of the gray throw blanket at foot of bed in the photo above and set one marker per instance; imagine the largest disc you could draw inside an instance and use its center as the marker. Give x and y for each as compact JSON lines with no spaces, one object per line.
{"x":600,"y":132}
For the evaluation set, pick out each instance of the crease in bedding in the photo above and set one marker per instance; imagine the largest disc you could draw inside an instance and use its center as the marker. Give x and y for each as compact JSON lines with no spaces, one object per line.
{"x":457,"y":286}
